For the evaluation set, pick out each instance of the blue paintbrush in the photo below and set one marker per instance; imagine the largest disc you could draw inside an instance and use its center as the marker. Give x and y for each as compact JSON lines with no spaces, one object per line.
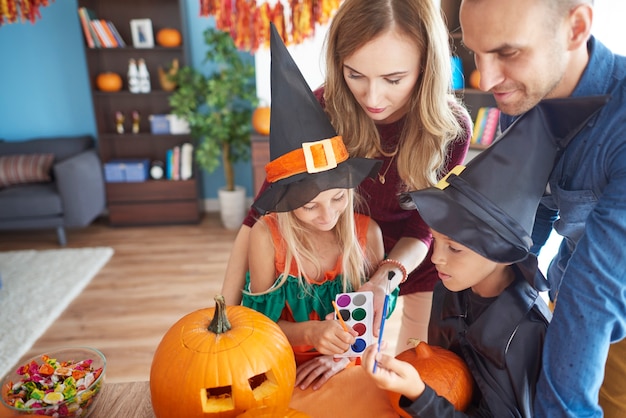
{"x":384,"y":318}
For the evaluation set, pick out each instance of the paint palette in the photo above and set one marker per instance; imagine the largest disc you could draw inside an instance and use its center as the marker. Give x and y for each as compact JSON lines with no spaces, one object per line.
{"x":357,"y":311}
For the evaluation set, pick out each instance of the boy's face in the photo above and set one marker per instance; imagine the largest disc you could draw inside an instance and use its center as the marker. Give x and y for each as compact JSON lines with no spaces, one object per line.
{"x":460,"y":268}
{"x":323,"y":212}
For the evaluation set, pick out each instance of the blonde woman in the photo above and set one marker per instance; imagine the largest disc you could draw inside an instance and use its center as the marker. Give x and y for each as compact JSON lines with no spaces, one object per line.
{"x":387,"y":92}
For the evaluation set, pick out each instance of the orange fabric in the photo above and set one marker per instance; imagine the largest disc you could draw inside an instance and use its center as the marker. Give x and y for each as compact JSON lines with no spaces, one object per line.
{"x":294,"y":162}
{"x":304,"y":353}
{"x":350,"y":393}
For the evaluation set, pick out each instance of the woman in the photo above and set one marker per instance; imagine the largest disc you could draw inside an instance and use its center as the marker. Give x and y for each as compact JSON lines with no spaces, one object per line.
{"x":387,"y":93}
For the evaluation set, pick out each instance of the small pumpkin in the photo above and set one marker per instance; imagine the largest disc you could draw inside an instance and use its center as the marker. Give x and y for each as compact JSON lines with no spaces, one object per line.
{"x":109,"y":81}
{"x":261,"y":120}
{"x":221,"y":362}
{"x":169,"y":38}
{"x":474,"y":79}
{"x":442,"y":370}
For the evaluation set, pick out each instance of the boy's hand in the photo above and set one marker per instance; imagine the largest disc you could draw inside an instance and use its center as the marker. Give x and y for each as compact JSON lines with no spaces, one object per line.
{"x":392,"y":374}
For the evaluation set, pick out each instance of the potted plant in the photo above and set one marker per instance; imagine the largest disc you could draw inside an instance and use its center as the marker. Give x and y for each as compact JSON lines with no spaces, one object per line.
{"x":218,"y":107}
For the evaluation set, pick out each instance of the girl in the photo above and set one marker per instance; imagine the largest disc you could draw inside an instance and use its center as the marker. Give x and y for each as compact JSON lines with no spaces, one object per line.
{"x":310,"y":245}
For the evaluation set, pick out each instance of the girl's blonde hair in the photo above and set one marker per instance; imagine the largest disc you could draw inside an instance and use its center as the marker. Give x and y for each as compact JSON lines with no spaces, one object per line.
{"x":432,"y":122}
{"x":355,"y":267}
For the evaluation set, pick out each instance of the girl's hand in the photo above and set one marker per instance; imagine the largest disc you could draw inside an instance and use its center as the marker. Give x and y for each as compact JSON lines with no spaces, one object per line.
{"x":318,"y":370}
{"x":392,"y":374}
{"x":329,"y":337}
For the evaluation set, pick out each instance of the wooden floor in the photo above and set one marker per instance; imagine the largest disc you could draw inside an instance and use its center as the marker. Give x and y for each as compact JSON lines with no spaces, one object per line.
{"x":157,"y":275}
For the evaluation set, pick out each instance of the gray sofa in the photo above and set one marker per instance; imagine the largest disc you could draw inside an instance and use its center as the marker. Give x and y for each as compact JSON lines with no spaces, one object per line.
{"x":74,"y":198}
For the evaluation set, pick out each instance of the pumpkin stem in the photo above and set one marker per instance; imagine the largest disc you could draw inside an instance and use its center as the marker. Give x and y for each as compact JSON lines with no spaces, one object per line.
{"x":413,"y":342}
{"x":219,"y":324}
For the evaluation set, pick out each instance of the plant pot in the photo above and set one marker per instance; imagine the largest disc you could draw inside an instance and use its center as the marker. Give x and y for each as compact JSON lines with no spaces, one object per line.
{"x":233,"y":208}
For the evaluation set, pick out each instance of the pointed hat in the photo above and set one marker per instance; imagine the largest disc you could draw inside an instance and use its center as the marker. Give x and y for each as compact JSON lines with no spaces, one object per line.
{"x":306,"y":154}
{"x":489,"y":206}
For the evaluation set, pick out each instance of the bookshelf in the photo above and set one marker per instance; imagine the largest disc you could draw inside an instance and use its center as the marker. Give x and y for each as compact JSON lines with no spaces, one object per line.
{"x":151,"y":201}
{"x":472,"y":98}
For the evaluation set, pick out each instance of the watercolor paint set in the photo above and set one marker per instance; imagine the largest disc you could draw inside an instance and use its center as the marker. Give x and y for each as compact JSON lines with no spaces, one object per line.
{"x":356,"y":310}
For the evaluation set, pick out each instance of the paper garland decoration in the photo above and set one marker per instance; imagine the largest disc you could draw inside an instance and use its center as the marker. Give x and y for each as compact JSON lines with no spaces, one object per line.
{"x":12,"y":11}
{"x":248,"y":21}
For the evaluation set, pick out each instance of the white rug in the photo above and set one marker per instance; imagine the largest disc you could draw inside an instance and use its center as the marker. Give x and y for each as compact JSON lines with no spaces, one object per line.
{"x":36,"y":287}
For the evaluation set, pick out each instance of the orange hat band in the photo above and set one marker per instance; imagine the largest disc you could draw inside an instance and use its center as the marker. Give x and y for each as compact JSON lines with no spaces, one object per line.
{"x":313,"y":157}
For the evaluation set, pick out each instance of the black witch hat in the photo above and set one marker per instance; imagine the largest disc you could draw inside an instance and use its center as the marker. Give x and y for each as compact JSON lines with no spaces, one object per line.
{"x":489,"y":206}
{"x":306,"y":154}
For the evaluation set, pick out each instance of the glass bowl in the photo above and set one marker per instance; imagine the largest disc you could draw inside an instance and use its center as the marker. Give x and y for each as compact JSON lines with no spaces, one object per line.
{"x":64,"y":382}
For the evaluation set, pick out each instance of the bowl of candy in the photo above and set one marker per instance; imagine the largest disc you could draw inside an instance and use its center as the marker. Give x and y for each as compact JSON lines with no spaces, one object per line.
{"x":63,"y":382}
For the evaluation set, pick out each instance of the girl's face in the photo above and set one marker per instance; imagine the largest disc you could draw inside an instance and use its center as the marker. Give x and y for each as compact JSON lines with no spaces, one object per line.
{"x":323,"y":212}
{"x":382,"y":74}
{"x":460,"y":268}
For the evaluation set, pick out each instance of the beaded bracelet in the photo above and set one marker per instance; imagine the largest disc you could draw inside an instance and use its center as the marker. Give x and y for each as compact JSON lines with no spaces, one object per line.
{"x":397,"y":264}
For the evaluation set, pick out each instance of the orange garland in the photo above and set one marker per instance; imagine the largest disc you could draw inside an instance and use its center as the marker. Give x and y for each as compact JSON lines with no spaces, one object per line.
{"x":248,"y":22}
{"x":12,"y":11}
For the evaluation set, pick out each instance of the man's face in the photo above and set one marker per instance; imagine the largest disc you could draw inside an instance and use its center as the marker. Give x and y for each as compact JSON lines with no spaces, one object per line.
{"x":521,"y":55}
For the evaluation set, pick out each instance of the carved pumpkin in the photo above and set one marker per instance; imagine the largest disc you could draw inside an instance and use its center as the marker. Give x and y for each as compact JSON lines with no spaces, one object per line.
{"x":221,"y":362}
{"x":109,"y":81}
{"x":261,"y":120}
{"x":442,"y":370}
{"x":169,"y":38}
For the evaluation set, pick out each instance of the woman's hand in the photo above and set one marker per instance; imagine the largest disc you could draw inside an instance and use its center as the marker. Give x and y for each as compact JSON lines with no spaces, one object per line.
{"x":329,"y":337}
{"x":318,"y":370}
{"x":392,"y":374}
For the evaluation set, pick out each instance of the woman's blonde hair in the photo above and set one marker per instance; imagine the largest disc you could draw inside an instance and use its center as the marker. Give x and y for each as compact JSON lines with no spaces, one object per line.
{"x":355,"y":267}
{"x":432,"y":122}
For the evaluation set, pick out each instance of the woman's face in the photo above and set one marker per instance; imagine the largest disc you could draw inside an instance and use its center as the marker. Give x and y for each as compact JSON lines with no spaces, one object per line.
{"x":323,"y":212}
{"x":382,"y":74}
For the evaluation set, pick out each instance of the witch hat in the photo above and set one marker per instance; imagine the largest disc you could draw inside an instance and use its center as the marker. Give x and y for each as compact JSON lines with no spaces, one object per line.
{"x":306,"y":154}
{"x":489,"y":206}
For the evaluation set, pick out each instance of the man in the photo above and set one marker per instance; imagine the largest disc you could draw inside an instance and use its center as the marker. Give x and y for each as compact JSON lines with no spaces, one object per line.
{"x":534,"y":49}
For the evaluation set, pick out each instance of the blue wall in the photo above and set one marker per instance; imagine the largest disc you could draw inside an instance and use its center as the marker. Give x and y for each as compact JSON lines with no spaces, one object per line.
{"x":45,"y":90}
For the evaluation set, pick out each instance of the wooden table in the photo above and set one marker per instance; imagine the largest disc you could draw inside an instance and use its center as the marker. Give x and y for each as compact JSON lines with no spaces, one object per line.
{"x":349,"y":394}
{"x":128,"y":400}
{"x":124,"y":400}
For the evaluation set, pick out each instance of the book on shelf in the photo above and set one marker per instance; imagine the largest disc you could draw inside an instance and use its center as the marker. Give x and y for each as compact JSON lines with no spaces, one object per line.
{"x":86,"y":16}
{"x":99,"y":33}
{"x":186,"y":161}
{"x":116,"y":34}
{"x":485,"y":126}
{"x":84,"y":22}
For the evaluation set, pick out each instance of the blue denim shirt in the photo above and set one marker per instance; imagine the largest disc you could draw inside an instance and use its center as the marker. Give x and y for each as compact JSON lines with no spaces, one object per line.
{"x":587,"y":190}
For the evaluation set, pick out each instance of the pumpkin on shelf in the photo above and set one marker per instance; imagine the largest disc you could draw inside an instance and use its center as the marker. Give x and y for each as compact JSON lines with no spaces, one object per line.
{"x":444,"y":371}
{"x":169,"y":38}
{"x":222,"y":362}
{"x":261,"y":120}
{"x":109,"y":81}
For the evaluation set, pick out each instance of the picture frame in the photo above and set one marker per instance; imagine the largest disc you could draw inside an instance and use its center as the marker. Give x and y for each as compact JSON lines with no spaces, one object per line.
{"x":141,"y":31}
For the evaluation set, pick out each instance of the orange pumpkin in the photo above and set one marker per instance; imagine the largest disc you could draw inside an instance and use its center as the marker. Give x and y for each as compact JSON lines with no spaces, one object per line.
{"x":221,"y":362}
{"x":474,"y":80}
{"x":169,"y":37}
{"x":261,"y":120}
{"x":109,"y":81}
{"x":442,"y":370}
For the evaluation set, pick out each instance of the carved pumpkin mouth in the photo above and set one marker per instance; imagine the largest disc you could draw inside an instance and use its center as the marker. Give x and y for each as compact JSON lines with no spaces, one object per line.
{"x":220,"y":399}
